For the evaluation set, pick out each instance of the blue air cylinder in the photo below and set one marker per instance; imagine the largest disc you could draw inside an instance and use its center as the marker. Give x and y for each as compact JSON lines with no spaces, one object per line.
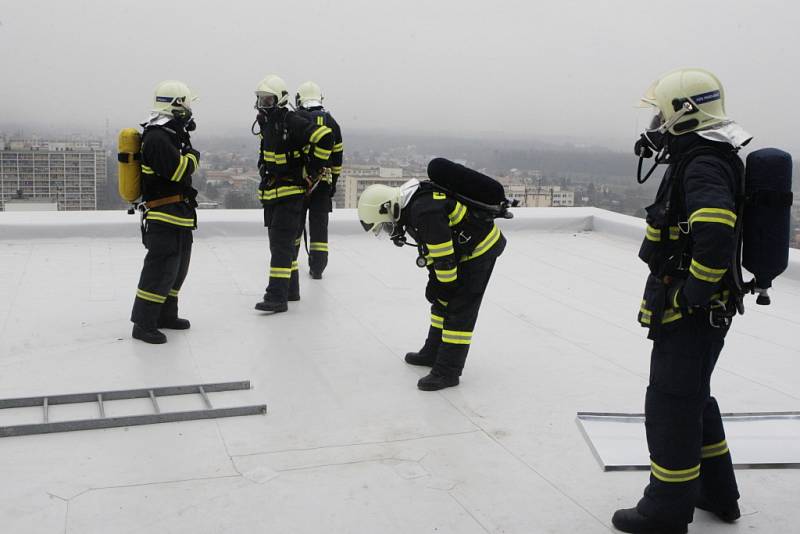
{"x":767,"y":216}
{"x":465,"y":181}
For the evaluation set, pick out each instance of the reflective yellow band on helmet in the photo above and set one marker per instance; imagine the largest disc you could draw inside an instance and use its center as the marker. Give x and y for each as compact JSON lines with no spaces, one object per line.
{"x":178,"y":174}
{"x":173,"y":293}
{"x":318,"y":246}
{"x":447,"y":275}
{"x":319,"y":133}
{"x":437,"y":321}
{"x":457,"y":214}
{"x":707,"y":274}
{"x":713,"y":215}
{"x":338,"y":147}
{"x":321,"y":153}
{"x":150,"y":297}
{"x":456,"y":337}
{"x":167,"y":218}
{"x":439,"y":250}
{"x":147,"y":170}
{"x":280,"y":272}
{"x":281,"y":192}
{"x":485,"y":245}
{"x":712,"y":451}
{"x":671,"y":475}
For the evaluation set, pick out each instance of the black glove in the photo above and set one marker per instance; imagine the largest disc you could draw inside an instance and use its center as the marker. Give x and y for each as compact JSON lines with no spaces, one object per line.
{"x":675,"y":297}
{"x":262,"y":171}
{"x":261,"y":119}
{"x":436,"y":290}
{"x":333,"y":189}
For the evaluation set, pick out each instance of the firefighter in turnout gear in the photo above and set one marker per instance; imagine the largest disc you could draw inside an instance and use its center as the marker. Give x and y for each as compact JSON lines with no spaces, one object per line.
{"x":294,"y":156}
{"x":689,"y":301}
{"x":168,"y":211}
{"x":459,"y":247}
{"x":309,"y":104}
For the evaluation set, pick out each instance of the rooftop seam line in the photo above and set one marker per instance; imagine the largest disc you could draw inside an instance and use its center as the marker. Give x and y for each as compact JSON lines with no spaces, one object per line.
{"x":530,"y":467}
{"x":347,"y":445}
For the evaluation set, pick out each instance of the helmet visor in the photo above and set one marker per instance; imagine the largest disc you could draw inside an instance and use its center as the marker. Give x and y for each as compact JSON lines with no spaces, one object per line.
{"x":266,"y":101}
{"x":383,"y":230}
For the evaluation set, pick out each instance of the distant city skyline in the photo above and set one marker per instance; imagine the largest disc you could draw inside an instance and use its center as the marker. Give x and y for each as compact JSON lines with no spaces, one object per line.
{"x":567,"y":70}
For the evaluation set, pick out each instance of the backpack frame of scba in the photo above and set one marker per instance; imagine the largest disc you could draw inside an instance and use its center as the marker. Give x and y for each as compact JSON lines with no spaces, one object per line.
{"x":762,"y":229}
{"x":471,"y":187}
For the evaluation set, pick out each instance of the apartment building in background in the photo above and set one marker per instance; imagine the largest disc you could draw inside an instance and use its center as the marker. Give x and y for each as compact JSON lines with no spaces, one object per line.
{"x":65,"y":174}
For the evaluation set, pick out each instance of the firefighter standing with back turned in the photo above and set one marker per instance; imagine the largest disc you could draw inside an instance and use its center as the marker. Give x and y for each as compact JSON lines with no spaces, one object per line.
{"x":462,"y":247}
{"x":309,"y":104}
{"x":293,"y":157}
{"x":168,"y":211}
{"x":688,"y":301}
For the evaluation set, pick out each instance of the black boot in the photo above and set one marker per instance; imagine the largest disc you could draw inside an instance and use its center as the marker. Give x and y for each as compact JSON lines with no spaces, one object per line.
{"x":294,"y":297}
{"x":421,"y":358}
{"x":315,"y":275}
{"x":728,"y":513}
{"x":176,"y":323}
{"x":630,"y":520}
{"x":271,"y":306}
{"x":148,"y":335}
{"x":434,"y":381}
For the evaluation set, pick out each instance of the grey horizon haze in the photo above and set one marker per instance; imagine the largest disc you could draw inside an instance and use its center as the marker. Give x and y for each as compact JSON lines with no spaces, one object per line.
{"x":523,"y":69}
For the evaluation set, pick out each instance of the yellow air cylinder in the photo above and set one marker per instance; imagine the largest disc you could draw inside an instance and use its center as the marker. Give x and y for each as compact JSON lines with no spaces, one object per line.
{"x":130,"y":164}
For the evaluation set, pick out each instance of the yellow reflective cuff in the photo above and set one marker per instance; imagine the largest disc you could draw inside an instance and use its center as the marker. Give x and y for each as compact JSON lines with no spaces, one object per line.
{"x":321,"y":153}
{"x":269,"y":157}
{"x":147,"y":170}
{"x":318,"y":246}
{"x":484,"y":246}
{"x":319,"y":133}
{"x":280,"y":159}
{"x":707,"y":274}
{"x":295,"y":265}
{"x":437,"y":321}
{"x":713,"y":215}
{"x":440,"y":250}
{"x":150,"y":297}
{"x":338,"y":147}
{"x":178,"y":174}
{"x":672,"y":475}
{"x":457,"y":214}
{"x":456,"y":337}
{"x":194,"y":161}
{"x":173,"y":293}
{"x":167,"y":218}
{"x":712,"y":451}
{"x":336,"y":170}
{"x":447,"y":275}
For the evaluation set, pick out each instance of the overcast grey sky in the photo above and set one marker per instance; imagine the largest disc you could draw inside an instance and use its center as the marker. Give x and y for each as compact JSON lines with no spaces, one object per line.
{"x":526,"y":68}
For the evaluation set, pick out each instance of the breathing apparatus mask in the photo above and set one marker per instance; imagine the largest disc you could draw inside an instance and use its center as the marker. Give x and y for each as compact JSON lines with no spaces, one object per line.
{"x":655,"y":139}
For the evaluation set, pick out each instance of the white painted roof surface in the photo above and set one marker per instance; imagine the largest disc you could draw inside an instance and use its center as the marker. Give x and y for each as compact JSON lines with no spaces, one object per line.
{"x":349,"y":445}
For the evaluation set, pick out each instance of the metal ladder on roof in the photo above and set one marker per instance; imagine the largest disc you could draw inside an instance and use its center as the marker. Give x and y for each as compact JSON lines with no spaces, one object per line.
{"x":157,"y":416}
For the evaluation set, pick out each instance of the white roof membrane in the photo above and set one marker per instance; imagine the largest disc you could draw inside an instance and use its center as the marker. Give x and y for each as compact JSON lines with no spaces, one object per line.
{"x":349,"y":444}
